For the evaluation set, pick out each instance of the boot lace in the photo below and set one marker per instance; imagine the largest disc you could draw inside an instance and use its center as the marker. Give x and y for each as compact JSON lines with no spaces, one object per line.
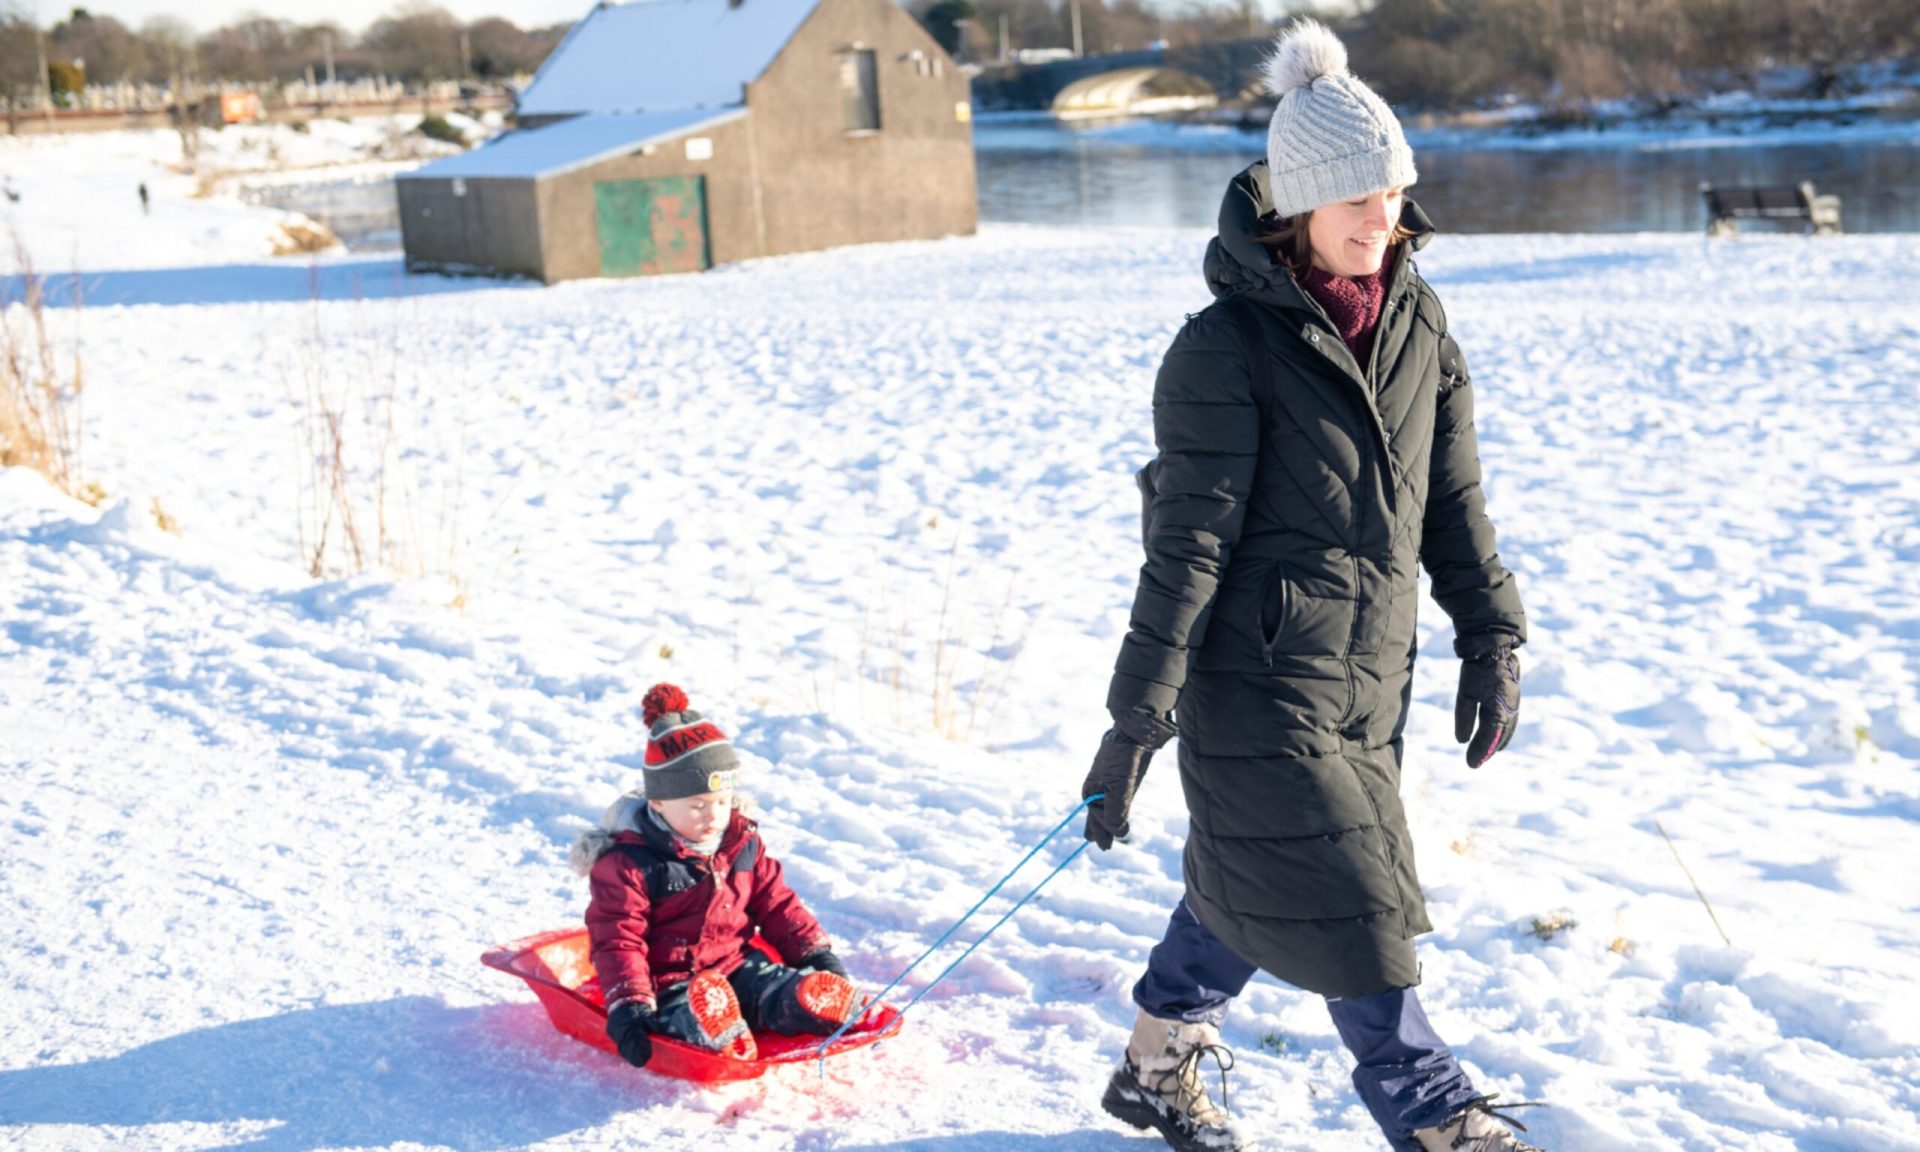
{"x":1484,"y":1105}
{"x":1185,"y":1076}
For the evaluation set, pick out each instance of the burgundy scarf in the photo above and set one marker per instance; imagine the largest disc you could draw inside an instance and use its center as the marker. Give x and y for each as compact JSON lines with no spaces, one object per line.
{"x":1352,"y":305}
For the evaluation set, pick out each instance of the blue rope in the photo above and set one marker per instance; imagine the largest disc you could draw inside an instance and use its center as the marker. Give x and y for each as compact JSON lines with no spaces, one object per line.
{"x":821,"y":1052}
{"x":1075,"y":855}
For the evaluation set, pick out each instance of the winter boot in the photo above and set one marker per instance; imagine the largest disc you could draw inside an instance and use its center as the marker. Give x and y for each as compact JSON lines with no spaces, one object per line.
{"x":716,"y":1013}
{"x":826,"y":996}
{"x":1477,"y":1128}
{"x":1158,"y":1085}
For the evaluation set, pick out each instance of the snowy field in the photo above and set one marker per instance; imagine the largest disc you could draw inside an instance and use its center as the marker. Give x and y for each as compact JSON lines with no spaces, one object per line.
{"x":79,"y":203}
{"x":874,"y":508}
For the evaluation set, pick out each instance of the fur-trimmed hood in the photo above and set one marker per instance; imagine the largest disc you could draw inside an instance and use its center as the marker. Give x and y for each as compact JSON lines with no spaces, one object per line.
{"x":623,"y":815}
{"x":629,"y":814}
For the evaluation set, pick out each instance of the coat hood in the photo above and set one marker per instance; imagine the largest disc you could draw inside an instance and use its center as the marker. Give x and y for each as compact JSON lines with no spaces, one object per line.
{"x":623,"y":815}
{"x":1238,"y":264}
{"x":628,"y":816}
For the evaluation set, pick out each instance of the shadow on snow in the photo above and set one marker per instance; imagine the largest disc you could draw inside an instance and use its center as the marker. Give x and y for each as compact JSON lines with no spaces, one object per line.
{"x":380,"y":278}
{"x":408,"y":1070}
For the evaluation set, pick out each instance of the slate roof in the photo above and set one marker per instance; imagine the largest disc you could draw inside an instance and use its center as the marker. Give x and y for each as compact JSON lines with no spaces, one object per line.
{"x":533,"y":153}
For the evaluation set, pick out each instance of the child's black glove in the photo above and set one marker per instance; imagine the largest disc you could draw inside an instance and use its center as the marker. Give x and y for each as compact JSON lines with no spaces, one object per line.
{"x":627,"y":1028}
{"x":1118,"y":767}
{"x":1488,"y":706}
{"x":823,"y":960}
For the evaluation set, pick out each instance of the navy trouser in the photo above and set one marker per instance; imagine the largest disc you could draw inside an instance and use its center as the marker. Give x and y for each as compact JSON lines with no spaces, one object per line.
{"x":1405,"y":1074}
{"x":769,"y":1002}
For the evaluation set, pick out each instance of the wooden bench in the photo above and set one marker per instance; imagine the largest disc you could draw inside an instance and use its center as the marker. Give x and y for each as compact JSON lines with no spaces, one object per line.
{"x":1726,"y":207}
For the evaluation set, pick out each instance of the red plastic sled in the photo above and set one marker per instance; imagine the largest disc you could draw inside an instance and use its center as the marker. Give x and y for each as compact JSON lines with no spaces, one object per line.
{"x":556,"y":966}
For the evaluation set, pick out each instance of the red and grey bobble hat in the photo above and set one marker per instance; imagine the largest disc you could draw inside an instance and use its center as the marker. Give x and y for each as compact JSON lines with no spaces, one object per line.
{"x":686,"y":755}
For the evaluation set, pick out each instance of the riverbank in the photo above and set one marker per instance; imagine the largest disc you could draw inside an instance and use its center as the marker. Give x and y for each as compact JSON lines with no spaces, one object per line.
{"x":1882,"y":104}
{"x":1725,"y":123}
{"x":75,"y":199}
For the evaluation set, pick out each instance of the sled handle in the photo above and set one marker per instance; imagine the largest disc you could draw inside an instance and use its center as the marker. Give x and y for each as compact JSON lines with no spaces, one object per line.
{"x":821,"y":1052}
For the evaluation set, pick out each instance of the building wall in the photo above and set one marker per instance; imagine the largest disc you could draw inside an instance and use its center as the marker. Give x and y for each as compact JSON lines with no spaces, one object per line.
{"x":570,"y":242}
{"x":492,"y":226}
{"x":822,"y":186}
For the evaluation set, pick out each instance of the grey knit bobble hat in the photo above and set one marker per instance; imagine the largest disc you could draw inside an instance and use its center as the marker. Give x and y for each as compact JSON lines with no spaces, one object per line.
{"x":1331,"y":137}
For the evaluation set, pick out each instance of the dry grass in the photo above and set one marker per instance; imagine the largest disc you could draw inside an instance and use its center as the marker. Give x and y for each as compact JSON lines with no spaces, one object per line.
{"x":300,"y":236}
{"x":1551,"y":925}
{"x":961,"y":684}
{"x":40,"y":386}
{"x":380,"y":482}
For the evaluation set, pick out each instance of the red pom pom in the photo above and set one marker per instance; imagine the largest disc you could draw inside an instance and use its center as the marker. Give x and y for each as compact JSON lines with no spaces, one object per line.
{"x":661,"y":699}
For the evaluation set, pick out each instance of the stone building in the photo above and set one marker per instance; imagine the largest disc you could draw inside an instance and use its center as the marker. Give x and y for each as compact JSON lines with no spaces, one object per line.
{"x":672,"y":135}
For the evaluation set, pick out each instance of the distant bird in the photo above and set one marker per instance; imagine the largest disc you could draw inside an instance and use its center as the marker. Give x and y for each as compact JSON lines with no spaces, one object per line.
{"x":143,"y":198}
{"x":13,"y":194}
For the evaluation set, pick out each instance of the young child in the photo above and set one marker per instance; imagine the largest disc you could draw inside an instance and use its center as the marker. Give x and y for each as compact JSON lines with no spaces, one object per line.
{"x":680,"y":883}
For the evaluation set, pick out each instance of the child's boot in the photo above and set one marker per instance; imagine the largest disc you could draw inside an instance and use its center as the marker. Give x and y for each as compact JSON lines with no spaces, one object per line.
{"x":1158,"y":1085}
{"x":826,"y":996}
{"x":716,"y":1012}
{"x":1476,"y":1128}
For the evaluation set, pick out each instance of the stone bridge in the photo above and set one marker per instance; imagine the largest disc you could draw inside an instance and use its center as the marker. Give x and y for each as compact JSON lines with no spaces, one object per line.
{"x":1228,"y":70}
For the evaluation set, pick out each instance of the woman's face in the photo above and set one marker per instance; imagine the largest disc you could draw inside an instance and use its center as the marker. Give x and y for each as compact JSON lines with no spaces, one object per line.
{"x":1349,"y":237}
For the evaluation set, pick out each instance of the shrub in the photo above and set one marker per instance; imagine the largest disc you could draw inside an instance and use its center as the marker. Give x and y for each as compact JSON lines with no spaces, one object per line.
{"x":439,"y":128}
{"x":298,"y":236}
{"x":39,"y":388}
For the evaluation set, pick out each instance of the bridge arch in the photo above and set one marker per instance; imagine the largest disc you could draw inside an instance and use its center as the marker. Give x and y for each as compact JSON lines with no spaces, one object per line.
{"x":1133,"y":92}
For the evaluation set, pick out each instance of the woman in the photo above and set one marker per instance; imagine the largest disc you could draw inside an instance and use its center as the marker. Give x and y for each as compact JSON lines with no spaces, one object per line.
{"x":1316,"y":443}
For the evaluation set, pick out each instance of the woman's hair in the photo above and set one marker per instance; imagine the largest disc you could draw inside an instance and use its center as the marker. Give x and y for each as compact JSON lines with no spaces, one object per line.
{"x":1286,"y":238}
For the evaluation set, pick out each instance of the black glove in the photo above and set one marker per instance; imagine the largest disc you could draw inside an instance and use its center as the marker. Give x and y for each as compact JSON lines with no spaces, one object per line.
{"x":823,"y":960}
{"x":1118,"y":768}
{"x":1488,"y":706}
{"x":627,"y":1028}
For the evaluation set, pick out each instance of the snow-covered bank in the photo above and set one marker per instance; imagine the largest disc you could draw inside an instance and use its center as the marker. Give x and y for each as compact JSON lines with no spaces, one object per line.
{"x":876,"y":505}
{"x":1773,"y":111}
{"x":78,"y":203}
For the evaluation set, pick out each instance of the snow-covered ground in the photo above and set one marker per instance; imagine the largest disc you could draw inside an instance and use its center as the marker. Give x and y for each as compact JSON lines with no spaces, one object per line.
{"x":873,"y":508}
{"x":79,"y":203}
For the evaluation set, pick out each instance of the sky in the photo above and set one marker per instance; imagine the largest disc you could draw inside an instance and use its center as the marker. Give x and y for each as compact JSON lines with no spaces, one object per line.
{"x":354,"y":14}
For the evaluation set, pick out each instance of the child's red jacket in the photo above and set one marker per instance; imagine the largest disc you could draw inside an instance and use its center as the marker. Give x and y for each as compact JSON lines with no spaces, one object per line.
{"x":643,"y":941}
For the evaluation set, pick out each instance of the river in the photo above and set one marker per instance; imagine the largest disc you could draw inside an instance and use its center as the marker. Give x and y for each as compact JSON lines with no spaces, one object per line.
{"x":1040,"y":172}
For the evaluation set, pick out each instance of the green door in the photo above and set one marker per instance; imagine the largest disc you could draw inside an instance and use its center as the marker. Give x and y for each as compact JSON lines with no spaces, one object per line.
{"x":652,"y":226}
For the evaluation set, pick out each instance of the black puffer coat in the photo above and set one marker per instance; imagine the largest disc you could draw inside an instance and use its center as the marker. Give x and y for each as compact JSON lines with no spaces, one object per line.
{"x":1275,"y":611}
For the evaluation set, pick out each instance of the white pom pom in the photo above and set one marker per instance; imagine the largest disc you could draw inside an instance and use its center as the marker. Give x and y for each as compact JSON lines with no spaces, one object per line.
{"x":1303,"y":54}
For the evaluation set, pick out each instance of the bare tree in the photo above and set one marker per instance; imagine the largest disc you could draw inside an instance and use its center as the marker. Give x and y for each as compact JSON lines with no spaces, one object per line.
{"x":1120,"y":26}
{"x":420,"y":42}
{"x":253,"y":49}
{"x":502,"y":48}
{"x":108,"y":49}
{"x":170,"y":50}
{"x":20,"y":79}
